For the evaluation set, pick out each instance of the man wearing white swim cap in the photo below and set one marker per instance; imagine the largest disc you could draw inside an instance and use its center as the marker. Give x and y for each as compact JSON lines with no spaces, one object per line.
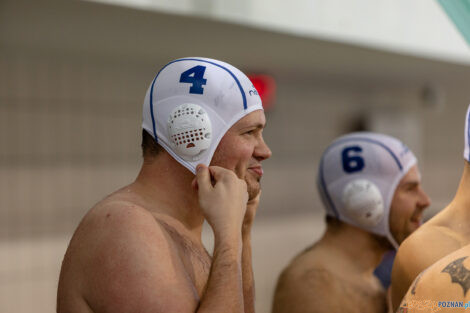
{"x":140,"y":249}
{"x":445,"y":233}
{"x":371,"y":189}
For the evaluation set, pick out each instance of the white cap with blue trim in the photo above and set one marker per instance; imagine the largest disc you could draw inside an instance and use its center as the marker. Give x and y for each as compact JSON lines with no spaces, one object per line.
{"x":466,"y":150}
{"x":357,"y":178}
{"x":192,"y":102}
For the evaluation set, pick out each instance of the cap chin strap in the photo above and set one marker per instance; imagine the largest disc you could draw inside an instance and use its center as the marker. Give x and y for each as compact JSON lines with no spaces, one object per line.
{"x":392,"y":240}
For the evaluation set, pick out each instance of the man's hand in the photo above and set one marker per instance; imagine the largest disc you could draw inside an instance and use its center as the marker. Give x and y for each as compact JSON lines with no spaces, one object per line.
{"x":223,"y":198}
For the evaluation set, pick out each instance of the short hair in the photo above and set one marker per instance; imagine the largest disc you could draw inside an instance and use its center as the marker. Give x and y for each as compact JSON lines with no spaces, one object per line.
{"x":333,"y":221}
{"x":150,"y":147}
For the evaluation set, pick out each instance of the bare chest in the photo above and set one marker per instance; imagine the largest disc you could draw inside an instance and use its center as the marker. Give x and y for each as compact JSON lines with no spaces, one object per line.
{"x":192,"y":255}
{"x":197,"y":263}
{"x":361,"y":295}
{"x":194,"y":258}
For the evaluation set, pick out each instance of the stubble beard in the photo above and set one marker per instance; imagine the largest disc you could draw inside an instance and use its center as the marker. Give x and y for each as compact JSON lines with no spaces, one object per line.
{"x":253,"y":187}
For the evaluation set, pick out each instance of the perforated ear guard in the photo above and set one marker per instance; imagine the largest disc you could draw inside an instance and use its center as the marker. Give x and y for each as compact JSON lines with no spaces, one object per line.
{"x":190,"y":131}
{"x":363,"y":203}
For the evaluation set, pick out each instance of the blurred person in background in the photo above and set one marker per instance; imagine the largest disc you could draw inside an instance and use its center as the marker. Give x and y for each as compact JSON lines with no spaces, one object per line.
{"x":140,"y":248}
{"x":371,"y":188}
{"x":446,"y":232}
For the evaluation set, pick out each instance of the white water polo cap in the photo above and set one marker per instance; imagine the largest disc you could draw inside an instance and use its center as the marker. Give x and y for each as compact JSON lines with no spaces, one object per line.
{"x":192,"y":102}
{"x":357,"y":178}
{"x":466,"y":150}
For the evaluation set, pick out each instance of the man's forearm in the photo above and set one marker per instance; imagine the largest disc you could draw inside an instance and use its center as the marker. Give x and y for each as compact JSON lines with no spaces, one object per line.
{"x":224,"y":291}
{"x":247,"y":272}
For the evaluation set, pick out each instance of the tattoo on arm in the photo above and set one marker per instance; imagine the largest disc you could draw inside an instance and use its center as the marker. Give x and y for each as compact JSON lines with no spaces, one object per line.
{"x":459,"y":274}
{"x":413,"y":288}
{"x":403,"y":308}
{"x":415,"y":284}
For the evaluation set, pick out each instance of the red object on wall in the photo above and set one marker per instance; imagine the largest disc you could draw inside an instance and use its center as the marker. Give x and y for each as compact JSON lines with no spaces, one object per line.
{"x":266,"y":87}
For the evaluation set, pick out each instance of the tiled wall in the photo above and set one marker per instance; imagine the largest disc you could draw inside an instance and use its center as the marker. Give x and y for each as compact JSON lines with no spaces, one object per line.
{"x":70,"y":134}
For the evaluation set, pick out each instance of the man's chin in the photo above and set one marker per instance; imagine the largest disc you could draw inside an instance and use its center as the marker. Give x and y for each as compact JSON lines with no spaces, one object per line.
{"x":253,"y":185}
{"x":253,"y":190}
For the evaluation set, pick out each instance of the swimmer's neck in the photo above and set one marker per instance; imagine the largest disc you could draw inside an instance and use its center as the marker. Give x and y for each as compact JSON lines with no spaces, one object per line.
{"x":166,"y":187}
{"x":363,"y":249}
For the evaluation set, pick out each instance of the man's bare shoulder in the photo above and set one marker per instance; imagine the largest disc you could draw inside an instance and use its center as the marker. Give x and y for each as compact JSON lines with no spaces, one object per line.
{"x":450,"y":277}
{"x":307,"y":265}
{"x":446,"y":281}
{"x":115,"y":217}
{"x":420,"y":250}
{"x":312,"y":262}
{"x":321,"y":280}
{"x":126,"y":259}
{"x":425,"y":246}
{"x":306,"y":282}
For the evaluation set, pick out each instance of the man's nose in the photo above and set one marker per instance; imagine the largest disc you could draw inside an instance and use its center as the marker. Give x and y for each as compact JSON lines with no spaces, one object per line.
{"x":424,"y":200}
{"x":263,"y":152}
